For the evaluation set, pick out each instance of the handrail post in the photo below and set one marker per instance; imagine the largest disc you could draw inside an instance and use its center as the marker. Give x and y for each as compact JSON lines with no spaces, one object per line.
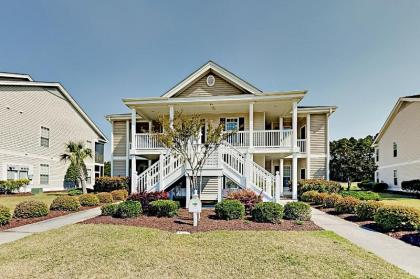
{"x":247,"y":171}
{"x":277,"y":189}
{"x":161,"y":170}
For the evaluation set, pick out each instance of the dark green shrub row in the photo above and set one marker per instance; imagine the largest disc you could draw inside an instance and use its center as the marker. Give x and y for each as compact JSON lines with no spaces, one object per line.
{"x":297,"y":211}
{"x":31,"y":209}
{"x":362,"y":195}
{"x":65,"y":203}
{"x":366,"y":210}
{"x":74,"y":192}
{"x":267,"y":212}
{"x":105,"y":197}
{"x":247,"y":197}
{"x":163,"y":208}
{"x":9,"y":186}
{"x":119,"y":195}
{"x":128,"y":209}
{"x":318,"y":185}
{"x":412,"y":186}
{"x":88,"y":200}
{"x":373,"y":186}
{"x":109,"y":209}
{"x":111,"y":183}
{"x":392,"y":218}
{"x":230,"y":209}
{"x":5,"y":215}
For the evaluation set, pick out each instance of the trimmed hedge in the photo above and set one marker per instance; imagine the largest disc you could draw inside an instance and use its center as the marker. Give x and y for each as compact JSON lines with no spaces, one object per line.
{"x":9,"y":186}
{"x":267,"y":212}
{"x":372,"y":186}
{"x":230,"y":209}
{"x":366,"y":210}
{"x":319,"y":185}
{"x":128,"y":209}
{"x":362,"y":195}
{"x":331,"y":200}
{"x":5,"y":215}
{"x":109,"y":209}
{"x":163,"y":208}
{"x":395,"y":218}
{"x":297,"y":211}
{"x":412,"y":186}
{"x":105,"y":197}
{"x":88,"y":200}
{"x":31,"y":209}
{"x":111,"y":183}
{"x":319,"y":199}
{"x":380,"y":187}
{"x":74,"y":192}
{"x":346,"y":205}
{"x":309,"y":196}
{"x":65,"y":203}
{"x":247,"y":197}
{"x":119,"y":195}
{"x":145,"y":198}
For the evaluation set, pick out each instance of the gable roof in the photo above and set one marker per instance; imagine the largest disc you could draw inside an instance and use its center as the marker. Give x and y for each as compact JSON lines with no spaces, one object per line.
{"x":393,"y":114}
{"x":15,"y":77}
{"x":66,"y":95}
{"x":217,"y":69}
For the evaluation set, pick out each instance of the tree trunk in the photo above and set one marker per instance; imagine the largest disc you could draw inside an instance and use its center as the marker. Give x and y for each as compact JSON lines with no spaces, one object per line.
{"x":83,"y":182}
{"x":348,"y":183}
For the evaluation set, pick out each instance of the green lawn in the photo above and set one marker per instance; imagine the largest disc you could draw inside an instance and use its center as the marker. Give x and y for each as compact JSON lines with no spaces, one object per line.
{"x":111,"y":251}
{"x":10,"y":201}
{"x":397,"y":199}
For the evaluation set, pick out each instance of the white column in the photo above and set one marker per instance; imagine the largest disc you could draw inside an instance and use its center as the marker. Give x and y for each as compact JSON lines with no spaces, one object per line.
{"x":127,"y":147}
{"x":328,"y":147}
{"x":112,"y":150}
{"x":308,"y":146}
{"x":187,"y":191}
{"x":171,"y":116}
{"x":161,"y":165}
{"x":295,"y":148}
{"x":277,"y":189}
{"x":281,"y":177}
{"x":133,"y":147}
{"x":219,"y":188}
{"x":247,"y":170}
{"x":251,"y":125}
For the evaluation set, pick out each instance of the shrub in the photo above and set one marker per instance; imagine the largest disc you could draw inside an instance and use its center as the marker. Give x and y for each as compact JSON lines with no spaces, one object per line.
{"x":74,"y":192}
{"x":9,"y":186}
{"x":128,"y":209}
{"x":88,"y":200}
{"x":119,"y":195}
{"x":331,"y":199}
{"x":318,"y":185}
{"x":297,"y":211}
{"x":267,"y":212}
{"x":366,"y":210}
{"x":111,"y":183}
{"x":319,"y":199}
{"x":145,"y":198}
{"x":379,"y":187}
{"x":412,"y":186}
{"x":31,"y":209}
{"x":109,"y":209}
{"x":365,"y":185}
{"x":309,"y":196}
{"x":5,"y":215}
{"x":65,"y":203}
{"x":230,"y":209}
{"x":247,"y":197}
{"x":362,"y":195}
{"x":394,"y":218}
{"x":346,"y":205}
{"x":104,"y":197}
{"x":163,"y":208}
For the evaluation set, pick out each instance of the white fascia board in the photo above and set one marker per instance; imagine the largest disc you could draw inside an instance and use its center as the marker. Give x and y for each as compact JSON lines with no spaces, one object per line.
{"x":66,"y":95}
{"x":13,"y":75}
{"x":388,"y":121}
{"x":329,"y":110}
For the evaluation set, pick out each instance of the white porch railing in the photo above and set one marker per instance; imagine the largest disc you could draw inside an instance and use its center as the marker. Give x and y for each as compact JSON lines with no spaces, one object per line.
{"x":147,"y":141}
{"x":273,"y":138}
{"x":239,"y":139}
{"x":302,"y":145}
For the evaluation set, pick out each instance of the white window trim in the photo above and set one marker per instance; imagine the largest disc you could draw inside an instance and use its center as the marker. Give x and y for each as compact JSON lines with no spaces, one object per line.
{"x":232,"y":118}
{"x":40,"y":174}
{"x":394,"y":150}
{"x":395,"y":176}
{"x":300,"y":173}
{"x":41,"y":136}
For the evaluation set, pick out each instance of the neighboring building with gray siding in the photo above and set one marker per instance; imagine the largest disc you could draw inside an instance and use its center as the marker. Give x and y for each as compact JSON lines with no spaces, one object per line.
{"x":37,"y":119}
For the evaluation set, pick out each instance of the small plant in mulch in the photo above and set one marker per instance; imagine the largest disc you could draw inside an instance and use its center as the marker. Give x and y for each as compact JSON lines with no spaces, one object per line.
{"x":230,"y":210}
{"x":247,"y":197}
{"x":267,"y":212}
{"x":109,"y":209}
{"x":31,"y":209}
{"x":128,"y":209}
{"x":65,"y":203}
{"x":297,"y":211}
{"x":5,"y":215}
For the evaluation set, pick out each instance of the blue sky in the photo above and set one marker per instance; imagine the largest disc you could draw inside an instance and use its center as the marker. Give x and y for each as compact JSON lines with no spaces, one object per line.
{"x":358,"y":55}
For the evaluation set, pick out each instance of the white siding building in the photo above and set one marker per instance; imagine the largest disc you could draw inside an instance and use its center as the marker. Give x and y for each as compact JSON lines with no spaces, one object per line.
{"x":36,"y":120}
{"x":397,"y":146}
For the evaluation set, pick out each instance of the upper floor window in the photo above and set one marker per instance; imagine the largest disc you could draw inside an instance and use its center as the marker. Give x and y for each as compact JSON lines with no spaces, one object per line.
{"x":377,"y":154}
{"x":303,"y":132}
{"x":395,"y":177}
{"x":45,"y":136}
{"x":232,"y":124}
{"x":395,"y":149}
{"x":89,"y":176}
{"x":99,"y":153}
{"x":44,"y":174}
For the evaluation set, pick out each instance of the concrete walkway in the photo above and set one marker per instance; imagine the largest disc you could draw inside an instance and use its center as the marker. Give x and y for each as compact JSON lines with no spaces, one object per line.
{"x":394,"y":251}
{"x":53,"y":223}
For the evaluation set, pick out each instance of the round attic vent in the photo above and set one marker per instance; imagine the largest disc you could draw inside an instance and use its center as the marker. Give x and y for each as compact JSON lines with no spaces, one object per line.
{"x":211,"y":80}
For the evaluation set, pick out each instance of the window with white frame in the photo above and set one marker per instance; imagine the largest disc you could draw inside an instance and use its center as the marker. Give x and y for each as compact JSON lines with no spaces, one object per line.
{"x":395,"y":177}
{"x":44,"y":174}
{"x":377,"y":177}
{"x":232,"y":124}
{"x":14,"y":173}
{"x":395,"y":149}
{"x":302,"y":173}
{"x":89,"y":176}
{"x":45,"y":136}
{"x":377,"y":154}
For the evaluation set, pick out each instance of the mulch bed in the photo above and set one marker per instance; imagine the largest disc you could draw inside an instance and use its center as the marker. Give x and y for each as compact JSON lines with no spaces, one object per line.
{"x":17,"y":222}
{"x":208,"y":222}
{"x":410,"y":237}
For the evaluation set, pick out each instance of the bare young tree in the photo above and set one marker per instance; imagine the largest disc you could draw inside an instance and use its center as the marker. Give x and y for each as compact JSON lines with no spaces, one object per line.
{"x":182,"y":138}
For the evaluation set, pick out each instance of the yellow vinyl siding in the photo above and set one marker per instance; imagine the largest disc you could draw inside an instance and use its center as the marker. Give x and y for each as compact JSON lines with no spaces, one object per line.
{"x":119,"y":138}
{"x":201,"y":89}
{"x":318,"y":168}
{"x":318,"y":133}
{"x":209,"y":190}
{"x":118,"y":168}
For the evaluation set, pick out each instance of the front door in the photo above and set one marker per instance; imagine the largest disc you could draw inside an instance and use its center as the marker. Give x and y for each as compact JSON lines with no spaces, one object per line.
{"x":287,"y":171}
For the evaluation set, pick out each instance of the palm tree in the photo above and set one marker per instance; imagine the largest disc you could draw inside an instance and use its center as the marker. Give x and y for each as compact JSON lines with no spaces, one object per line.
{"x":77,"y":153}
